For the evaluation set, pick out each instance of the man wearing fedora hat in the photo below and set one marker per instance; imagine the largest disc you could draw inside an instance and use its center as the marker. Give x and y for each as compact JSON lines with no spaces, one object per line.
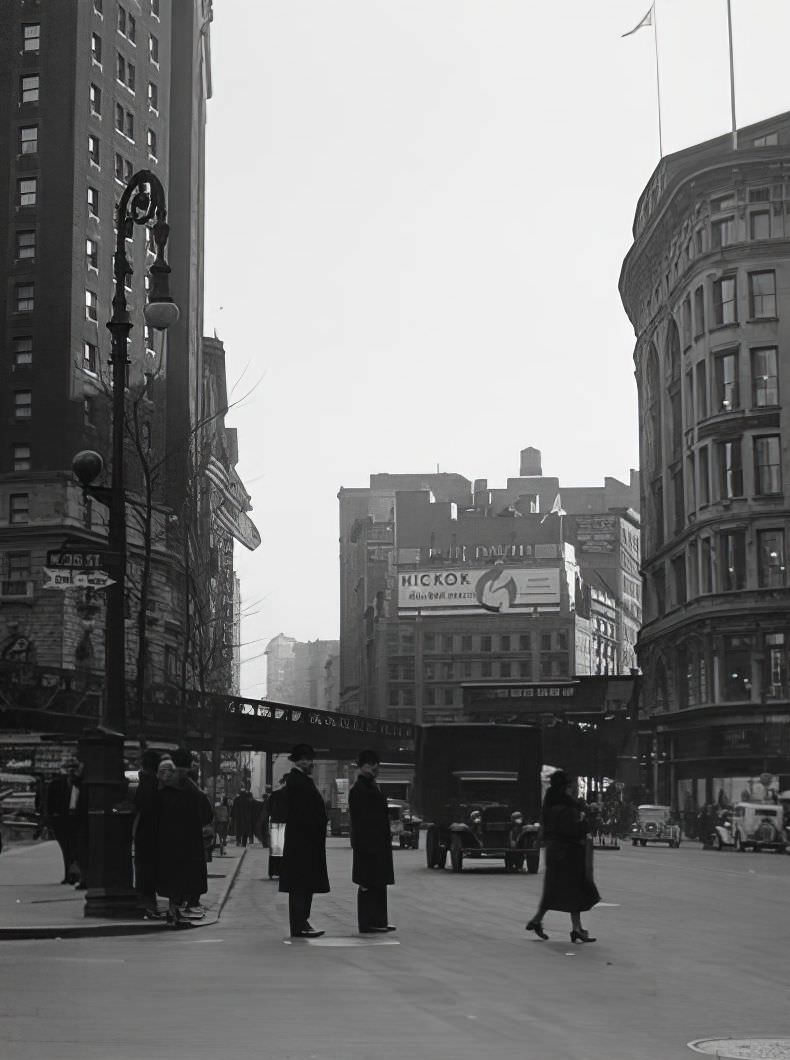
{"x":371,"y":842}
{"x":303,"y":871}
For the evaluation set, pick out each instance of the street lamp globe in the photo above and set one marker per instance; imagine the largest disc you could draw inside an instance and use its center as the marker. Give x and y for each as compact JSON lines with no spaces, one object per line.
{"x":87,"y":465}
{"x":160,"y":314}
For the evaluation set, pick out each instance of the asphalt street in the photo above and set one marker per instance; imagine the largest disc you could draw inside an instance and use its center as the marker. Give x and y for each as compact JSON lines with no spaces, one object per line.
{"x":691,"y":945}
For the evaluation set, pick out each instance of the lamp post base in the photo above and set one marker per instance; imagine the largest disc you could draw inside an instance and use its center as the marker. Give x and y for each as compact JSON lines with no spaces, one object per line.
{"x":105,"y":822}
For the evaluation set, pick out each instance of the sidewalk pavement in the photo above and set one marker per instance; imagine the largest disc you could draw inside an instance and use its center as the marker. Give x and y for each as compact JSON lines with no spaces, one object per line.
{"x":34,"y":905}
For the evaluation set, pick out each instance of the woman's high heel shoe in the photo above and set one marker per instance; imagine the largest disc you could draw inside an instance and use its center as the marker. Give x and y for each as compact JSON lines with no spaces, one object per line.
{"x":537,"y":927}
{"x":582,"y":936}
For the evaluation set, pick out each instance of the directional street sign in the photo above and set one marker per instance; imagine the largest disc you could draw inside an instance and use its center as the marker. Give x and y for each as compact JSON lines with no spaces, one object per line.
{"x":78,"y":559}
{"x":76,"y":579}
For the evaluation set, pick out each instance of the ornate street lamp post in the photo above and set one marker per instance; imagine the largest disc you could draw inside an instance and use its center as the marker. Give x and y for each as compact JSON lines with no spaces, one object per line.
{"x":109,"y":867}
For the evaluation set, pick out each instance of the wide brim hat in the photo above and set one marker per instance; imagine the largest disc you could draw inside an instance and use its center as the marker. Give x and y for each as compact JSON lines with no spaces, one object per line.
{"x":301,"y":750}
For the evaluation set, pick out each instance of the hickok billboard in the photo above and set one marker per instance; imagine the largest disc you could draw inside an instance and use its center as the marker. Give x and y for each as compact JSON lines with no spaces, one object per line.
{"x":495,"y":590}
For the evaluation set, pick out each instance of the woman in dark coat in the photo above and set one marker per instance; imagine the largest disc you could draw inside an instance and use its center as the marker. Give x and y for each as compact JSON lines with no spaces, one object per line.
{"x":568,"y":885}
{"x":371,"y":842}
{"x":303,"y":870}
{"x":182,"y":811}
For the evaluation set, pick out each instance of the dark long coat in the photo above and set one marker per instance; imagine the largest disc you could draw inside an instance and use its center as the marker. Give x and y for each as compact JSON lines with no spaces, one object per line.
{"x":371,"y":840}
{"x":181,"y":814}
{"x":145,"y":802}
{"x":303,"y":869}
{"x":568,"y":885}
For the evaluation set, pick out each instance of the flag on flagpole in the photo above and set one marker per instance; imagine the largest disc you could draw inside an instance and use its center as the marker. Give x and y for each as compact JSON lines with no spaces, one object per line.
{"x":646,"y":21}
{"x":556,"y":509}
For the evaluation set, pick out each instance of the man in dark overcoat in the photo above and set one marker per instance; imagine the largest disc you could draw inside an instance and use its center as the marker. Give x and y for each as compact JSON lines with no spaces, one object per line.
{"x":182,"y":811}
{"x":303,"y":870}
{"x":242,"y":814}
{"x":371,"y":843}
{"x":57,"y":803}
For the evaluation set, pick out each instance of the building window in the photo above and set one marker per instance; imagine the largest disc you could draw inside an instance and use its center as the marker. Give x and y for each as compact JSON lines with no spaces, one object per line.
{"x":485,"y":643}
{"x":525,"y":668}
{"x":87,"y":411}
{"x":722,"y":232}
{"x":125,"y":72}
{"x":25,"y":298}
{"x":31,"y":36}
{"x":152,"y":144}
{"x":129,"y":130}
{"x":524,"y":642}
{"x":765,"y":385}
{"x":91,"y":305}
{"x":504,"y":669}
{"x":722,"y":203}
{"x":90,"y":357}
{"x":19,"y":509}
{"x":699,"y":312}
{"x":148,"y":333}
{"x":448,"y":697}
{"x":732,"y":553}
{"x":153,"y":96}
{"x":777,"y":666}
{"x":96,"y":48}
{"x":29,"y":88}
{"x":95,"y":100}
{"x":27,"y":189}
{"x":124,"y":170}
{"x":466,"y":642}
{"x":447,"y":671}
{"x":689,"y":397}
{"x":760,"y":224}
{"x":724,"y":301}
{"x":678,"y":500}
{"x":25,"y":245}
{"x":20,"y":457}
{"x":706,"y":565}
{"x":429,"y":642}
{"x":93,"y":202}
{"x":679,"y":579}
{"x":23,"y":404}
{"x":703,"y":476}
{"x":770,"y":559}
{"x":562,"y":640}
{"x":153,"y":49}
{"x":726,"y":382}
{"x":767,"y":465}
{"x":730,"y":469}
{"x":93,"y":149}
{"x":127,"y":24}
{"x":485,"y":669}
{"x":504,"y":643}
{"x":23,"y":350}
{"x":447,"y":638}
{"x":762,"y":295}
{"x":685,"y":318}
{"x":28,"y":140}
{"x":702,"y":390}
{"x":92,"y":253}
{"x":768,"y":140}
{"x":737,"y":668}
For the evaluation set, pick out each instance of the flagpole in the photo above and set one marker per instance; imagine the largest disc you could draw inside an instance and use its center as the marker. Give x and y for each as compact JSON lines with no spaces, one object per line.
{"x":732,"y":78}
{"x":658,"y":79}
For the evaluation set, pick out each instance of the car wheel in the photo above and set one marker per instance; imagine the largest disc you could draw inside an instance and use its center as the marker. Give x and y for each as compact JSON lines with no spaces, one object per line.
{"x":456,"y":856}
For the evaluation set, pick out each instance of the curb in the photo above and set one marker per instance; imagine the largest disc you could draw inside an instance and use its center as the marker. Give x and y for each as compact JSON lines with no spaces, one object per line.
{"x":110,"y":929}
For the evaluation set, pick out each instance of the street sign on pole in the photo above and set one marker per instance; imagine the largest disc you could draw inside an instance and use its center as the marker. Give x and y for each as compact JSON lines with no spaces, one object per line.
{"x":76,"y":579}
{"x":77,"y":559}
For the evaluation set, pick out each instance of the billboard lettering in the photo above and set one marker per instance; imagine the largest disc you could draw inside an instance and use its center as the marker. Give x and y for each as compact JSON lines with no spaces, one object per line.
{"x":495,"y":590}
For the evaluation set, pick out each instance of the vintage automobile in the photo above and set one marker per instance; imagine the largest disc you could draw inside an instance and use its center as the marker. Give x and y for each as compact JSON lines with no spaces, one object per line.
{"x":756,"y":826}
{"x":493,"y":830}
{"x":654,"y":824}
{"x":404,"y":826}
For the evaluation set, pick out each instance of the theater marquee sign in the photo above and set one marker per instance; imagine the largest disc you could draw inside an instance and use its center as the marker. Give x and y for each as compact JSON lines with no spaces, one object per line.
{"x":492,"y":590}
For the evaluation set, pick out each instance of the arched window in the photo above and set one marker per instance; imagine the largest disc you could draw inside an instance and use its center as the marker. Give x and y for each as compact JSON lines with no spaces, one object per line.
{"x":673,"y":350}
{"x":661,"y":688}
{"x":652,"y":409}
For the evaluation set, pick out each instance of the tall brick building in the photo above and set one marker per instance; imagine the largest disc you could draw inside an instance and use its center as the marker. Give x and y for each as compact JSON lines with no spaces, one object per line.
{"x":90,"y":92}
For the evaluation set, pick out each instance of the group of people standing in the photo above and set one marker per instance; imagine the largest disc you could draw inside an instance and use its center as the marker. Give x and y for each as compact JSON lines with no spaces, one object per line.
{"x":303,"y":870}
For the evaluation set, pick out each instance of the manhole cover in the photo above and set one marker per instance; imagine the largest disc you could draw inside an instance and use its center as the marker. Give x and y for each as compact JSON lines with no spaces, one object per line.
{"x":345,"y":942}
{"x":744,"y":1048}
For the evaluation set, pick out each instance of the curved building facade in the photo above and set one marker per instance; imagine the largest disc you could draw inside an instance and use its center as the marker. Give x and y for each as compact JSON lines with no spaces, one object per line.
{"x":706,"y":285}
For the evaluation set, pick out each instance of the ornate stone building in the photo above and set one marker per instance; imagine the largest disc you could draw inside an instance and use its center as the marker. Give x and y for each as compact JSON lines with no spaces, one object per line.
{"x":705,"y":286}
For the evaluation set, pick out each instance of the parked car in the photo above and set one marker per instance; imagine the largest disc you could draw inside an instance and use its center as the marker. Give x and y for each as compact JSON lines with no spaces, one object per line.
{"x":404,"y":826}
{"x":758,"y":826}
{"x":655,"y":824}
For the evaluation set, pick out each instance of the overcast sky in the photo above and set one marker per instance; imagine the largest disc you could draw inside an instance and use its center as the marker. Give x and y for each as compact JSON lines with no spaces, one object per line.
{"x":417,"y":211}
